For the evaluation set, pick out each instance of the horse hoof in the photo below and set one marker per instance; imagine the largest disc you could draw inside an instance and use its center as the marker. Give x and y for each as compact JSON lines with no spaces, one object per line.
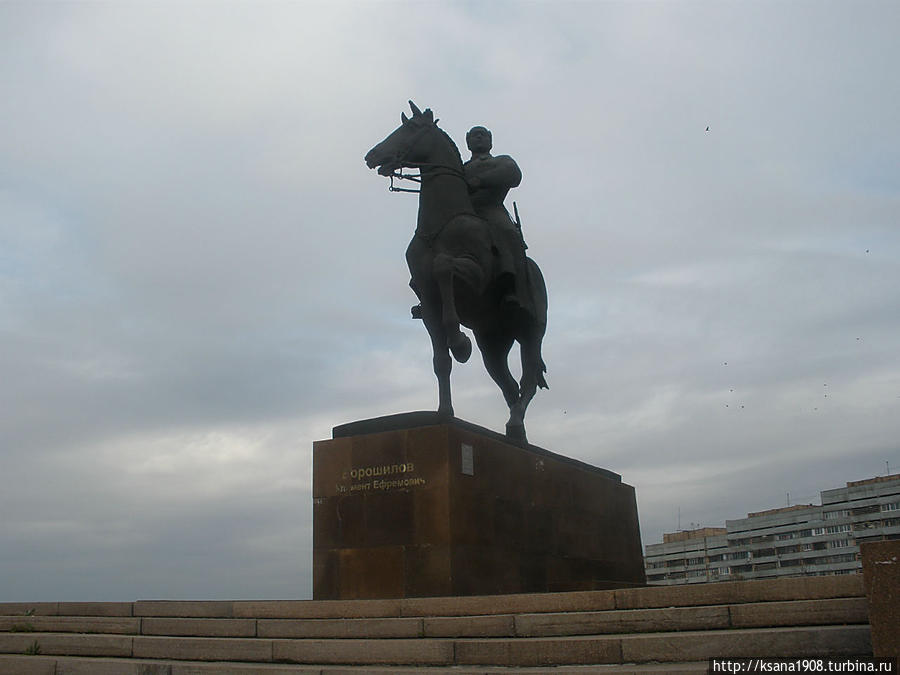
{"x":461,"y":347}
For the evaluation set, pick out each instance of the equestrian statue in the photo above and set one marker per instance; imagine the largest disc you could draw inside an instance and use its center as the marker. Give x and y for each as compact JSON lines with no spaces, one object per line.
{"x":467,"y":259}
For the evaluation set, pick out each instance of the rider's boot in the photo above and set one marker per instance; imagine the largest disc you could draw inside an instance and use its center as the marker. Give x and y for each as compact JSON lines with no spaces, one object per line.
{"x":509,"y":299}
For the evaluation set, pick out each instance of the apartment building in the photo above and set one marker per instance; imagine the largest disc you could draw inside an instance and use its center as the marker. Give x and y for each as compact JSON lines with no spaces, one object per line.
{"x":800,"y":540}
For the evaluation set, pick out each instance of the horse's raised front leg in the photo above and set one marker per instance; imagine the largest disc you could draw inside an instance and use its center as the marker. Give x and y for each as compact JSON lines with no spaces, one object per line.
{"x":444,"y":272}
{"x":442,"y":361}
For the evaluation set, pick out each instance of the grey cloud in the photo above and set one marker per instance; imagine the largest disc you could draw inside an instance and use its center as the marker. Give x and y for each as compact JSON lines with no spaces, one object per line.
{"x":177,"y":326}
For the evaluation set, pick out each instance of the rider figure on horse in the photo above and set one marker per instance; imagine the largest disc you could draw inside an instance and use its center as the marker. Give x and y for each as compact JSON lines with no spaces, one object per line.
{"x":489,"y":180}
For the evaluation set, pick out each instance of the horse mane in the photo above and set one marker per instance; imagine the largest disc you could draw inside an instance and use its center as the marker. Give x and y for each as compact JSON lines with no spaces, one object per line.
{"x":452,"y":145}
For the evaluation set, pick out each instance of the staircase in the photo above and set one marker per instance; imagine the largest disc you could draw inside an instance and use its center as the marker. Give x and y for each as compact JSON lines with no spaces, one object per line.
{"x":640,"y":630}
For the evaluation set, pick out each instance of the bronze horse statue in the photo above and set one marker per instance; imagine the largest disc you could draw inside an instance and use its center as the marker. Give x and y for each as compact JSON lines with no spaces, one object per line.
{"x":452,"y":267}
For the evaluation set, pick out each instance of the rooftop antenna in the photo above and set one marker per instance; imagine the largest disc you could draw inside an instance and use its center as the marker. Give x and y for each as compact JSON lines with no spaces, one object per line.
{"x":788,"y":498}
{"x":887,"y":465}
{"x":679,"y":520}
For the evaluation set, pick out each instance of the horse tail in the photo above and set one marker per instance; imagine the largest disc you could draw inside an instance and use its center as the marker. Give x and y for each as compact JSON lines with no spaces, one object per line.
{"x":538,"y":291}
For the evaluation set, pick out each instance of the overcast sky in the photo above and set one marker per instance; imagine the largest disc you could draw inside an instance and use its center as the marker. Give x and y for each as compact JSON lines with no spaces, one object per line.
{"x":199,"y":277}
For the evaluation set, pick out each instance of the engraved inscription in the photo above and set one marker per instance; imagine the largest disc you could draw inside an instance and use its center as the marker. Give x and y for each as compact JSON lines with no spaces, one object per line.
{"x":381,"y":470}
{"x":382,"y":477}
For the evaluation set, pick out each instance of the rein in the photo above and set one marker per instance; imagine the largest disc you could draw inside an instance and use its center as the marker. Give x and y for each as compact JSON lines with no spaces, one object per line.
{"x":441,"y":170}
{"x":401,"y":158}
{"x":438,"y":170}
{"x":399,"y":175}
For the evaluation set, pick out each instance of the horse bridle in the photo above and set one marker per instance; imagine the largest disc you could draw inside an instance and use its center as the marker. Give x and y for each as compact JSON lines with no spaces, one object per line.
{"x":401,"y":159}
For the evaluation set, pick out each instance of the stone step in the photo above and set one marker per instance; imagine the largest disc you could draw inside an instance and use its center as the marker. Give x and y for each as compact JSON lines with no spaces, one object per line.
{"x":67,"y":608}
{"x":676,"y":647}
{"x":712,"y":617}
{"x":70,"y":624}
{"x":748,"y":615}
{"x":722,"y":593}
{"x":666,"y":647}
{"x":735,"y":592}
{"x":53,"y":665}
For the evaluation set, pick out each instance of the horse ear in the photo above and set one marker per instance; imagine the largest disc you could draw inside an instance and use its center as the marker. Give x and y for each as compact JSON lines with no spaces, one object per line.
{"x":416,"y":112}
{"x":428,"y":115}
{"x":404,"y":118}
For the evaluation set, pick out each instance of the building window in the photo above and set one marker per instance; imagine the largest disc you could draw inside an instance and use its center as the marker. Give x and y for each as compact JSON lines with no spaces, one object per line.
{"x":893,"y":506}
{"x":867,"y":525}
{"x":738,"y":555}
{"x":863,"y":510}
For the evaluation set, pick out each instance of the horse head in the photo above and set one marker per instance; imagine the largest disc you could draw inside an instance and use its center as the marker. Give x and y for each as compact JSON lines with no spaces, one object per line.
{"x":404,"y":147}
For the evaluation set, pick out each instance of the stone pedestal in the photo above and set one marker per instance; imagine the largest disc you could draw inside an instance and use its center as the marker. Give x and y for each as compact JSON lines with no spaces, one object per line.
{"x":413,"y":506}
{"x":881,"y":574}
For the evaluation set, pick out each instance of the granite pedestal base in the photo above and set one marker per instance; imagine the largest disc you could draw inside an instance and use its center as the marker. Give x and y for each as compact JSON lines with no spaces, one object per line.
{"x":881,"y":573}
{"x":413,"y":506}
